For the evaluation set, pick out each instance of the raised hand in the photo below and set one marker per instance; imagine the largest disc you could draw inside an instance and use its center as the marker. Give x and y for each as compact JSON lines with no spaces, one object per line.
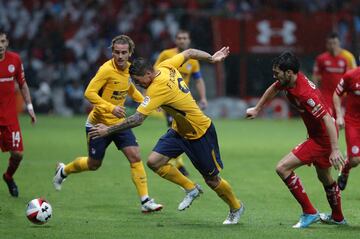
{"x":220,"y":55}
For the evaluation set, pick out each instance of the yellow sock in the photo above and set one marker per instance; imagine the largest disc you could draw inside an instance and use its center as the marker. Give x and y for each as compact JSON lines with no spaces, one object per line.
{"x":80,"y":164}
{"x":225,"y":192}
{"x":172,"y":174}
{"x":138,"y":176}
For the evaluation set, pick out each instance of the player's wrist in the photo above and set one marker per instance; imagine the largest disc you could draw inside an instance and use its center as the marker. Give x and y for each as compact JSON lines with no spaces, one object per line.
{"x":29,"y":107}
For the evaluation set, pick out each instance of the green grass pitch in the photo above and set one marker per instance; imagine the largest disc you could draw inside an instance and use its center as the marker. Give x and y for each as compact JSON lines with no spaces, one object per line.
{"x":104,"y":204}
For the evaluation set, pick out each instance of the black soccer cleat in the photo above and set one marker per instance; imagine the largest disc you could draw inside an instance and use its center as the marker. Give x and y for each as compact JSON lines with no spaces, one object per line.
{"x":342,"y":181}
{"x":13,"y":189}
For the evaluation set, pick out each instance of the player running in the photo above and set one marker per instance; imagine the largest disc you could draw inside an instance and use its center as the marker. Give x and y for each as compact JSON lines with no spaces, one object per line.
{"x":189,"y":70}
{"x":191,"y":132}
{"x":11,"y":70}
{"x":350,"y":86}
{"x":107,"y":91}
{"x":320,"y":149}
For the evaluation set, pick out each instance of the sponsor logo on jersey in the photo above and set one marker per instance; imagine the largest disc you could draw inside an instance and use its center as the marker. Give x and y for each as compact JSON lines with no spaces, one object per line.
{"x":146,"y":101}
{"x":11,"y":68}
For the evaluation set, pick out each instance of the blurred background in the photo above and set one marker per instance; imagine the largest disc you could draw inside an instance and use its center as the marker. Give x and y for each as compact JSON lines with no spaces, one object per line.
{"x":62,"y":43}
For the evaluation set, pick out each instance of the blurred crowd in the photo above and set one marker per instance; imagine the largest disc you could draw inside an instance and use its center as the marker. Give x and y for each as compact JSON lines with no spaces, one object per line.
{"x":63,"y":42}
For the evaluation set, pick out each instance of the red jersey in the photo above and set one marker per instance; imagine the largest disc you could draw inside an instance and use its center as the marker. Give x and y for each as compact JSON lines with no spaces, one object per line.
{"x":307,"y":100}
{"x":350,"y":84}
{"x":331,"y":69}
{"x":11,"y":70}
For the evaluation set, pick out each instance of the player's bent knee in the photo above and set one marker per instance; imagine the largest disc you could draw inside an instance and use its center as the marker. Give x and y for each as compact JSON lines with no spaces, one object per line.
{"x":355,"y":161}
{"x":212,"y":182}
{"x":17,"y":155}
{"x":94,"y":164}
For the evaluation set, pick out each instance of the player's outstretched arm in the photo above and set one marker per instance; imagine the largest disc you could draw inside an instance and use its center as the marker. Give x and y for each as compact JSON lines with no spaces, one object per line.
{"x":101,"y":130}
{"x":25,"y":92}
{"x":270,"y":93}
{"x":339,"y":115}
{"x":336,"y":158}
{"x":196,"y":54}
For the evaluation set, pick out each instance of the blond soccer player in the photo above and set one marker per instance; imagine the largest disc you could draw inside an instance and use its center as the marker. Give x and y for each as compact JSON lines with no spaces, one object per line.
{"x":107,"y":91}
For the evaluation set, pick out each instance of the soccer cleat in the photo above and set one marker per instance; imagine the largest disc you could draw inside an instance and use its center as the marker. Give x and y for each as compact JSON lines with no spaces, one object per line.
{"x":13,"y":189}
{"x":326,"y":218}
{"x":59,"y":177}
{"x":191,"y":195}
{"x":234,"y":216}
{"x":306,"y":220}
{"x":150,"y":206}
{"x":342,"y":181}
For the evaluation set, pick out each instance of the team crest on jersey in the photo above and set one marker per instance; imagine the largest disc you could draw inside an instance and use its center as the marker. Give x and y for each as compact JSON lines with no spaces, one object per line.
{"x":341,"y":63}
{"x":188,"y":66}
{"x":146,"y":101}
{"x":11,"y":68}
{"x":355,"y":149}
{"x":311,"y":102}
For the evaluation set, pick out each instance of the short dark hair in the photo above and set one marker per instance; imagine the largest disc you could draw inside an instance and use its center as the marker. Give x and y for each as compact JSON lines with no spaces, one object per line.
{"x":2,"y":32}
{"x":333,"y":35}
{"x":287,"y":61}
{"x":182,"y":31}
{"x":139,"y":67}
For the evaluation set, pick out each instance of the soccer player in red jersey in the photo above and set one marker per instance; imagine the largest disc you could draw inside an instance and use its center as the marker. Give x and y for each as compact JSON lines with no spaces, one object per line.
{"x":349,"y":84}
{"x":320,"y":149}
{"x":330,"y":66}
{"x":11,"y":70}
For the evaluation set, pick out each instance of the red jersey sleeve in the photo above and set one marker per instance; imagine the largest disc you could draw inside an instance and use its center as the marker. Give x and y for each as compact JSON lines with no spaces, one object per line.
{"x":314,"y":106}
{"x":278,"y":85}
{"x":341,"y":87}
{"x":20,"y":75}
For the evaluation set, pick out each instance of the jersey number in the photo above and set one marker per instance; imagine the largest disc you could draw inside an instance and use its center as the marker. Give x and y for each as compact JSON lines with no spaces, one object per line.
{"x":16,"y":138}
{"x":182,"y":86}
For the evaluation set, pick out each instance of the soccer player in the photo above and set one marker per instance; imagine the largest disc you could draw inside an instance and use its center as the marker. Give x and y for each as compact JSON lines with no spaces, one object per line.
{"x":191,"y":132}
{"x":107,"y":91}
{"x":190,"y":69}
{"x":11,"y":70}
{"x":320,"y":149}
{"x":330,"y":66}
{"x":349,"y":85}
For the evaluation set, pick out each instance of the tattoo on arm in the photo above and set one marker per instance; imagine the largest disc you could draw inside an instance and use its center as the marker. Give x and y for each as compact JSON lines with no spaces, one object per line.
{"x":130,"y":122}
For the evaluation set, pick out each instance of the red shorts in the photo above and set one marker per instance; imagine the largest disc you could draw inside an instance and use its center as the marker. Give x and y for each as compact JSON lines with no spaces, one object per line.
{"x":11,"y":138}
{"x":352,"y":135}
{"x":311,"y":152}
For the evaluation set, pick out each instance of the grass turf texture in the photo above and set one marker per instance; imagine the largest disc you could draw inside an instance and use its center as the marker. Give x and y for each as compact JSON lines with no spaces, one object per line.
{"x":104,"y":204}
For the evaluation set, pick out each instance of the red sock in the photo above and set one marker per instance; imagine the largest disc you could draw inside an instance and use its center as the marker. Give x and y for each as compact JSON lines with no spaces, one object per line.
{"x":294,"y":184}
{"x":13,"y":165}
{"x":334,"y":199}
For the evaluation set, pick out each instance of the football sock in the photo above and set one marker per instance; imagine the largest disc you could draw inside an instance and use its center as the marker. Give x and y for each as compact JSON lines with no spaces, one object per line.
{"x":346,"y":170}
{"x":138,"y":176}
{"x":334,"y":198}
{"x":172,"y":174}
{"x":294,"y":184}
{"x":80,"y":164}
{"x":13,"y":165}
{"x":225,"y":192}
